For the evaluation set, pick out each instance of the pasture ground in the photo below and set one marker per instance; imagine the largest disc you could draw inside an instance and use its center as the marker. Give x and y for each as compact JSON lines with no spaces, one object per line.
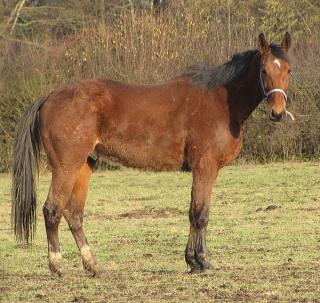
{"x":263,"y":234}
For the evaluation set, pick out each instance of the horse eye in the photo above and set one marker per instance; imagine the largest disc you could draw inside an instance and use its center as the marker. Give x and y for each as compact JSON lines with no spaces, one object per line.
{"x":289,"y":71}
{"x":263,"y":71}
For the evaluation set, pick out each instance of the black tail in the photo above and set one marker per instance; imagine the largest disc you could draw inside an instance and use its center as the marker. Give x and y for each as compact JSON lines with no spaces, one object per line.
{"x":26,"y":152}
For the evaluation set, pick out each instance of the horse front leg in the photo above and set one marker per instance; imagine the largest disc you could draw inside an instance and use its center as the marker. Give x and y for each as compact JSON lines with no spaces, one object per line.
{"x":196,"y":249}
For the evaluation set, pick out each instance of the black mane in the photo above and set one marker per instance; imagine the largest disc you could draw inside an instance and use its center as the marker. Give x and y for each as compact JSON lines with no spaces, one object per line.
{"x":204,"y":76}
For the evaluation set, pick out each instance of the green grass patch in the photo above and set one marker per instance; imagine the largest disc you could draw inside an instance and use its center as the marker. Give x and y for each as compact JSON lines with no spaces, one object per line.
{"x":263,"y":235}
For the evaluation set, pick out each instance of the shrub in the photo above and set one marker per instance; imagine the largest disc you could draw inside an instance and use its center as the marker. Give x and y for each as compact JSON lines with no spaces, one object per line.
{"x":133,"y":45}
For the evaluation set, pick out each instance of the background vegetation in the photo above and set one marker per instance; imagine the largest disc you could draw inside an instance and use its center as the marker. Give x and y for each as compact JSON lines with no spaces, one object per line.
{"x":46,"y":43}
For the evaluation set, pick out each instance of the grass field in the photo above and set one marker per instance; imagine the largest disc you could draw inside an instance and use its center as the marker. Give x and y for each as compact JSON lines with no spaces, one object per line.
{"x":263,"y":235}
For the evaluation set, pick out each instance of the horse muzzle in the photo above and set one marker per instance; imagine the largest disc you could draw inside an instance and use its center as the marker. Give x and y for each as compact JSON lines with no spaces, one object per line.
{"x":277,"y":117}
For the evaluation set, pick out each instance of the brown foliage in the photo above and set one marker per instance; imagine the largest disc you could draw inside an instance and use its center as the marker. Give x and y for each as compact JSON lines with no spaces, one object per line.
{"x":131,"y":44}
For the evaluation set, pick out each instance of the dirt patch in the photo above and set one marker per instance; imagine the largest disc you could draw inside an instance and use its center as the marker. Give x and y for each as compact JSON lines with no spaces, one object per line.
{"x":312,"y":209}
{"x":151,"y":212}
{"x":146,"y":212}
{"x":268,"y":208}
{"x":147,"y":256}
{"x":79,"y":299}
{"x":143,"y":198}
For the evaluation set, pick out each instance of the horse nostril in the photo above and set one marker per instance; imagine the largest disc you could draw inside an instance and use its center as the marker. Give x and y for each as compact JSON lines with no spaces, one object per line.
{"x":275,"y":116}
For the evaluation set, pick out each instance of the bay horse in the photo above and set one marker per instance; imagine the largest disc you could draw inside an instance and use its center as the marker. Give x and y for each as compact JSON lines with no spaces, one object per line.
{"x":193,"y":122}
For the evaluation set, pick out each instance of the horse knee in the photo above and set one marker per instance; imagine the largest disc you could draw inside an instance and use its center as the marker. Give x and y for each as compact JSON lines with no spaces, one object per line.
{"x":199,"y":218}
{"x":52,"y":215}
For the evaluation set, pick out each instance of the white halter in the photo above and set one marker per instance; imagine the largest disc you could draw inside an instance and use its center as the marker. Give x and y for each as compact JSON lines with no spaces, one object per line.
{"x":267,"y":94}
{"x":275,"y":90}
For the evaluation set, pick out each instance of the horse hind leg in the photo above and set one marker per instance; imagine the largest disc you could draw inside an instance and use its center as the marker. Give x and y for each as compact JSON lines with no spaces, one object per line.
{"x":73,"y":214}
{"x":59,"y":194}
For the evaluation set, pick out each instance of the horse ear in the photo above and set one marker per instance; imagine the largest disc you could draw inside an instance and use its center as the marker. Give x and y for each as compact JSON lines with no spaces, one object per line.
{"x":263,"y":44}
{"x":286,"y":42}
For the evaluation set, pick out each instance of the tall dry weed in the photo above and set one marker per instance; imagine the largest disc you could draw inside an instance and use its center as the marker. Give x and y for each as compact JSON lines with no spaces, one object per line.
{"x":136,"y":46}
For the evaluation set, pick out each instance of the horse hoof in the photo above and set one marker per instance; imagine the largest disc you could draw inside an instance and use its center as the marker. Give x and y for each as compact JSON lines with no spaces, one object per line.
{"x":194,"y":268}
{"x":93,"y":269}
{"x":200,"y":267}
{"x":203,"y":262}
{"x":57,"y":269}
{"x":56,"y":264}
{"x":205,"y":265}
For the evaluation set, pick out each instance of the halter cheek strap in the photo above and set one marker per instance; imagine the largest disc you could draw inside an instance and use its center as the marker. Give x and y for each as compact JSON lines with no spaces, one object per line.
{"x":275,"y":90}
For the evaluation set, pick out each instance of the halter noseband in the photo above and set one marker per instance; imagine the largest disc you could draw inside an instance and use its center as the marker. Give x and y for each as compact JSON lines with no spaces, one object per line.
{"x":275,"y":90}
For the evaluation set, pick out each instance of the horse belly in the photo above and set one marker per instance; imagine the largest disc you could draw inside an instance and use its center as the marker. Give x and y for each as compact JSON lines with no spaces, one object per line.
{"x":151,"y":152}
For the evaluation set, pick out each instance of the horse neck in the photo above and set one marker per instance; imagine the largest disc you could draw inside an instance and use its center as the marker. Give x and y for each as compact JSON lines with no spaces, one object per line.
{"x":245,"y":94}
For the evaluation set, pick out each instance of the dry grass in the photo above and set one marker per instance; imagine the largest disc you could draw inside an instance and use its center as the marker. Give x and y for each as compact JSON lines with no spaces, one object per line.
{"x":263,"y":236}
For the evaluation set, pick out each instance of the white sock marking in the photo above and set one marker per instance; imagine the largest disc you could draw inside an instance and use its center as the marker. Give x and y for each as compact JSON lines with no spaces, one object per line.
{"x":55,"y":256}
{"x":86,"y":252}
